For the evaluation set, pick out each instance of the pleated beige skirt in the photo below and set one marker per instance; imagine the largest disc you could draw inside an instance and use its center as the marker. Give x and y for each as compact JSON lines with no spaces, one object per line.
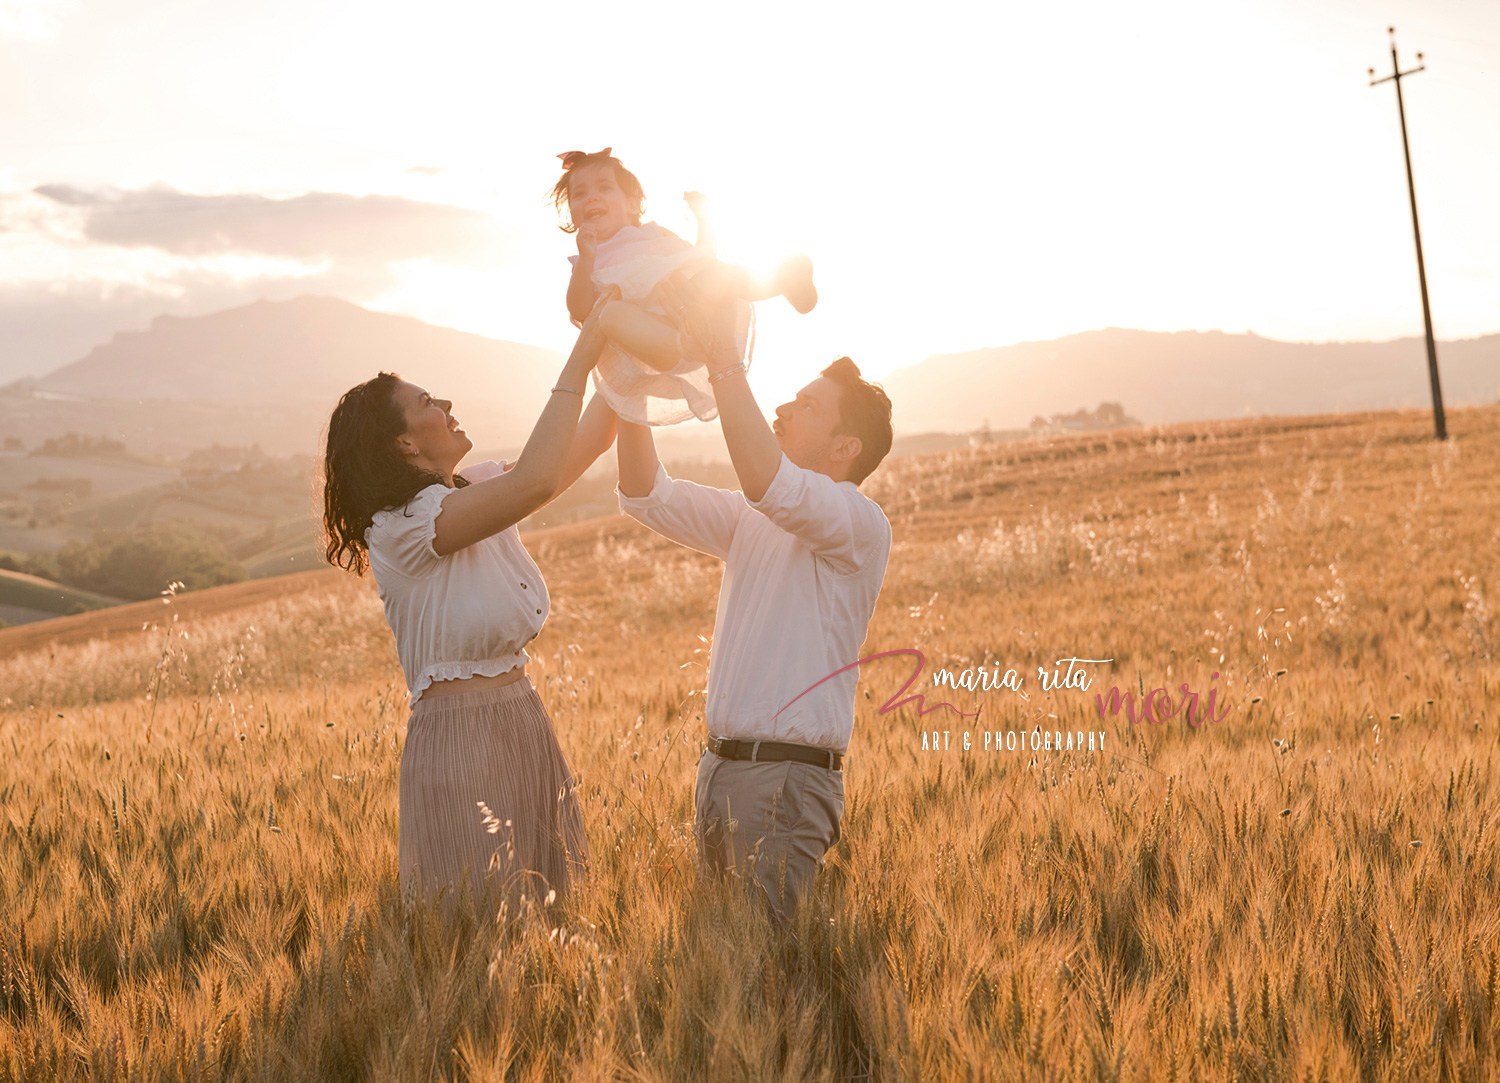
{"x":493,"y":749}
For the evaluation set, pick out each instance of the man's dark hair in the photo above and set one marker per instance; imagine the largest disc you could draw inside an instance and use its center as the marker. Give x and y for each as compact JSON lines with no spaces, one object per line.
{"x":865,"y":412}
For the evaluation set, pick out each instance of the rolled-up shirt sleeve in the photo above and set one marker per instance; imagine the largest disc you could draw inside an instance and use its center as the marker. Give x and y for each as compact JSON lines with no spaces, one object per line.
{"x":832,"y":518}
{"x":697,"y":516}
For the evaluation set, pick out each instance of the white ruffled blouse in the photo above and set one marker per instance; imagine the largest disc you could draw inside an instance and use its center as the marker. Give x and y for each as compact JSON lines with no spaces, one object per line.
{"x":637,"y":259}
{"x":470,"y":613}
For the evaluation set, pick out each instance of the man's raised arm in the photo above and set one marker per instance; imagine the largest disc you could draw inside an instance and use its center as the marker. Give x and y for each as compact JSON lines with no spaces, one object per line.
{"x":752,"y":445}
{"x":638,"y":461}
{"x":697,"y":516}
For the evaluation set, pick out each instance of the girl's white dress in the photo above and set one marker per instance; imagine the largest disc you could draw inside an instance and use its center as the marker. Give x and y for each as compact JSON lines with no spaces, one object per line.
{"x":637,"y":259}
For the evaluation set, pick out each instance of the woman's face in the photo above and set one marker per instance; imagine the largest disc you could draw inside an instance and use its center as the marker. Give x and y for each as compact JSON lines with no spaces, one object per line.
{"x":433,"y":439}
{"x":595,"y":199}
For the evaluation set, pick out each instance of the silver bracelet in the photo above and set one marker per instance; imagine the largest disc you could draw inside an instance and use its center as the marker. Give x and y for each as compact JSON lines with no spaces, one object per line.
{"x":717,"y":376}
{"x":569,"y":390}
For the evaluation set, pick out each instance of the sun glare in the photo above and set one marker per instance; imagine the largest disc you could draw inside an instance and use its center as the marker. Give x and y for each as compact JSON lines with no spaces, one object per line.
{"x":967,"y":178}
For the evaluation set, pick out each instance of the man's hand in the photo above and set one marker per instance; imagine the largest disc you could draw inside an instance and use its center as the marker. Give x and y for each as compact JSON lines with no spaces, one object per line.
{"x":706,"y":328}
{"x":708,"y":335}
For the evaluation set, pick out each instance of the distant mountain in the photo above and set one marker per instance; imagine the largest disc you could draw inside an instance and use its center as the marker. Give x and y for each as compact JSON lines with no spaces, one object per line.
{"x":270,"y":373}
{"x":306,"y":348}
{"x":1183,"y":376}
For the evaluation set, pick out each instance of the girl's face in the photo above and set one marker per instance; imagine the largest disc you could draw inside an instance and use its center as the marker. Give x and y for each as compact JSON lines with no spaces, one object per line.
{"x":595,"y":199}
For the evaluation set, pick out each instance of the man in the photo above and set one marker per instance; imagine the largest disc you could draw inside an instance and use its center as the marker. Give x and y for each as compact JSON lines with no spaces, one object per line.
{"x":805,"y":554}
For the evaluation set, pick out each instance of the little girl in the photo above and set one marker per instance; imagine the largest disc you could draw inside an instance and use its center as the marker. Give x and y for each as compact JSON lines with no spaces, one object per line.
{"x":641,"y":372}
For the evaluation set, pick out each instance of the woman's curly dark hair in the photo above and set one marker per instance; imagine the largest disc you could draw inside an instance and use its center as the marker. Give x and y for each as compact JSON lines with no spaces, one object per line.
{"x":363,"y":470}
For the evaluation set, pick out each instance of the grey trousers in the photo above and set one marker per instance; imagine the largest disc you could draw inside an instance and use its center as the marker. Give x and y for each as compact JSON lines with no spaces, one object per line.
{"x":770,"y":823}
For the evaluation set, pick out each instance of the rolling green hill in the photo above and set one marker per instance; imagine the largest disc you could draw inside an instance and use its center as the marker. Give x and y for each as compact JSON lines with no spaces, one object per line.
{"x":22,"y":595}
{"x":299,"y":552}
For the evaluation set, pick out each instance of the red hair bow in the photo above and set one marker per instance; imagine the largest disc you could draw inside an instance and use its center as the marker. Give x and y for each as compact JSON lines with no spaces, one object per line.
{"x":572,"y":157}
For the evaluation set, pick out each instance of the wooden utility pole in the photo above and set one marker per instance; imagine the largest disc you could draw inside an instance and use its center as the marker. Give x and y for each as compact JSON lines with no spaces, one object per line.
{"x":1411,"y":189}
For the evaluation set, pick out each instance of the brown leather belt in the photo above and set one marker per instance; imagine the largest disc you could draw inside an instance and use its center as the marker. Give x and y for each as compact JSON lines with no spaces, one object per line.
{"x":768,"y":751}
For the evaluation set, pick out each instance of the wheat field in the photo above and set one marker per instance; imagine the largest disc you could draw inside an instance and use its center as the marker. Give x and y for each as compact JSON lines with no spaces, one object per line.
{"x":198,"y":865}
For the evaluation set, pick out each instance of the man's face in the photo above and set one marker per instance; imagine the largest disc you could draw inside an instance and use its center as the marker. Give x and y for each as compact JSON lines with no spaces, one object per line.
{"x":805,"y":429}
{"x":595,"y":199}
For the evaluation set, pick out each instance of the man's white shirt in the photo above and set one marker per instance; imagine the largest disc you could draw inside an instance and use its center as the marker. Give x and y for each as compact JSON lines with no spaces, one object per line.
{"x":802,"y":569}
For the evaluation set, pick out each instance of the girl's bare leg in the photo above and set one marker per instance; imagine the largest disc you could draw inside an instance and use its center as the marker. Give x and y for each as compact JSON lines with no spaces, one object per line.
{"x":640,"y":334}
{"x":792,"y":279}
{"x":708,"y":240}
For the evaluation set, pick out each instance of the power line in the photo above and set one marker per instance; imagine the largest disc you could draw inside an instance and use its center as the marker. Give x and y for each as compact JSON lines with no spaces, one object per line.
{"x":1397,"y":74}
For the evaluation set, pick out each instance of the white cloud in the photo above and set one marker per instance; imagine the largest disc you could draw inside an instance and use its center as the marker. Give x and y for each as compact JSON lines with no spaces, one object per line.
{"x":313,"y":226}
{"x":30,"y":18}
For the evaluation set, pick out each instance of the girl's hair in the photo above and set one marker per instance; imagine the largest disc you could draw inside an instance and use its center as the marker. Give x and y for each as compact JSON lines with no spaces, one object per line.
{"x":635,"y":195}
{"x":363,"y":470}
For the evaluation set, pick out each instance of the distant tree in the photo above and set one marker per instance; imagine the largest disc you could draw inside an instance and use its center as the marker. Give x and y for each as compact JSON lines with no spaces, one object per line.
{"x":1109,"y":415}
{"x":218,"y":457}
{"x":141,"y":561}
{"x":14,"y":443}
{"x":73,"y":446}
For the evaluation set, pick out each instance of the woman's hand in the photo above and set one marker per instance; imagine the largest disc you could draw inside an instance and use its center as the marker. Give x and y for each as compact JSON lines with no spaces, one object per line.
{"x":591,"y":337}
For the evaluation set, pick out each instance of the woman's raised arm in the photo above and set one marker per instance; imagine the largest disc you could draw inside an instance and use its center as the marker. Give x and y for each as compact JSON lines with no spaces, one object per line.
{"x":487,"y":507}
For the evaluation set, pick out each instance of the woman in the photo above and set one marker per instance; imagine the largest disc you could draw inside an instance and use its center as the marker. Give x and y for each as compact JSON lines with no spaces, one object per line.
{"x":485,"y":788}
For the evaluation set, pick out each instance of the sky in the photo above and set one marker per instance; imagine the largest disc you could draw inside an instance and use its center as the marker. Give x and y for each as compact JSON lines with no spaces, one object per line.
{"x":963,"y":175}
